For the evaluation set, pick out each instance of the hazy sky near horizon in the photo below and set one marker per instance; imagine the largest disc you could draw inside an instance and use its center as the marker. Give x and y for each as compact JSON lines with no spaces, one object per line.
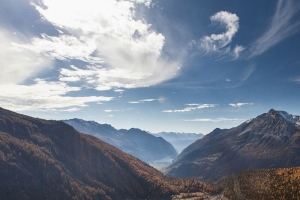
{"x":172,"y":65}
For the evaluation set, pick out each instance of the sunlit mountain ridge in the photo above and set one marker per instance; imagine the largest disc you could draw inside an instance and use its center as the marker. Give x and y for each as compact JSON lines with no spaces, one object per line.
{"x":271,"y":140}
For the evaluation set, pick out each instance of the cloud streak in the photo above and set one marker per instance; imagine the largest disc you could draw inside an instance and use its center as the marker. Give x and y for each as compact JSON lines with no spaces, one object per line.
{"x":109,"y":111}
{"x":238,"y":105}
{"x":297,"y":79}
{"x":191,"y":107}
{"x":213,"y":120}
{"x":44,"y":95}
{"x":144,"y":101}
{"x":280,"y":28}
{"x":148,"y":100}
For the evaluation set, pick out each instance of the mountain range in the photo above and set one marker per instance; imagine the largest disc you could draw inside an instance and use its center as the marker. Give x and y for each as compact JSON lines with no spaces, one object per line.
{"x":271,"y":140}
{"x":46,"y":159}
{"x":136,"y":142}
{"x":179,"y":140}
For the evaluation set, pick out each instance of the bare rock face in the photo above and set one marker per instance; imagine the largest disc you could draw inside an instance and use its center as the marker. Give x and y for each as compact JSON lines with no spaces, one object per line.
{"x":267,"y":141}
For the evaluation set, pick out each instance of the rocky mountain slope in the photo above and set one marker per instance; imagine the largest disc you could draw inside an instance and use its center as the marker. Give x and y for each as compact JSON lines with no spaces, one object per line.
{"x":271,"y":140}
{"x":41,"y":159}
{"x":179,"y":140}
{"x":136,"y":142}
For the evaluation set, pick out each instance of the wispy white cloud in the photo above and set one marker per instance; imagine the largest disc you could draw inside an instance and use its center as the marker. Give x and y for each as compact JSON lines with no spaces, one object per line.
{"x":280,"y":28}
{"x":109,"y":111}
{"x":296,"y":79}
{"x":237,"y":51}
{"x":64,"y":47}
{"x":115,"y":48}
{"x":17,"y":64}
{"x":44,"y":95}
{"x":121,"y":50}
{"x":238,"y":105}
{"x":218,"y":43}
{"x":144,"y":100}
{"x":134,"y":102}
{"x":148,"y":100}
{"x":71,"y":109}
{"x":146,"y":2}
{"x":213,"y":120}
{"x":191,"y":107}
{"x":248,"y":71}
{"x":188,"y":109}
{"x":119,"y":90}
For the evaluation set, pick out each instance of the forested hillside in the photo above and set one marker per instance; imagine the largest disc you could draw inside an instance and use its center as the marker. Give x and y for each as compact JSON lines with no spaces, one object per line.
{"x":42,"y":159}
{"x":263,"y":184}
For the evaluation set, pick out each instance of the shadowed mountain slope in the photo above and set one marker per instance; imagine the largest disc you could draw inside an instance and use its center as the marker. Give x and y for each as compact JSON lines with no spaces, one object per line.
{"x":136,"y":142}
{"x":270,"y":140}
{"x":41,"y":159}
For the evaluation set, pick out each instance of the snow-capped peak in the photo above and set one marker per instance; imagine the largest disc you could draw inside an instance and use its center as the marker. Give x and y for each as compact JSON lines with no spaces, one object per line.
{"x":290,"y":118}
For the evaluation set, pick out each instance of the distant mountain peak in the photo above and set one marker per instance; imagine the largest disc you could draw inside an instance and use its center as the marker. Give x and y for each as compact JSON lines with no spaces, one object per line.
{"x":272,"y":112}
{"x":179,"y":140}
{"x":269,"y":140}
{"x":134,"y":141}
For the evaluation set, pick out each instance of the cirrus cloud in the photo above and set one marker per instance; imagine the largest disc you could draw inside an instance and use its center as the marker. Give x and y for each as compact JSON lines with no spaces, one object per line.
{"x":280,"y":27}
{"x":213,"y":120}
{"x":144,"y":100}
{"x":191,"y":107}
{"x":238,"y":105}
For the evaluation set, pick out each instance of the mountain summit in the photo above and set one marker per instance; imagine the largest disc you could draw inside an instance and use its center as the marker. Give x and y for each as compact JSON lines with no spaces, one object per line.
{"x":270,"y":140}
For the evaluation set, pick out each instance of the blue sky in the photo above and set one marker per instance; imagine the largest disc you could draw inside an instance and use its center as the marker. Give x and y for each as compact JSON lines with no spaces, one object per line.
{"x":172,"y":65}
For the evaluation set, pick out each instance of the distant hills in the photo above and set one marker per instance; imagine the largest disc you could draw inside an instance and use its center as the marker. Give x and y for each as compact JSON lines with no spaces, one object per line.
{"x":41,"y":159}
{"x":179,"y":140}
{"x":271,"y":140}
{"x":136,"y":142}
{"x":263,"y":184}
